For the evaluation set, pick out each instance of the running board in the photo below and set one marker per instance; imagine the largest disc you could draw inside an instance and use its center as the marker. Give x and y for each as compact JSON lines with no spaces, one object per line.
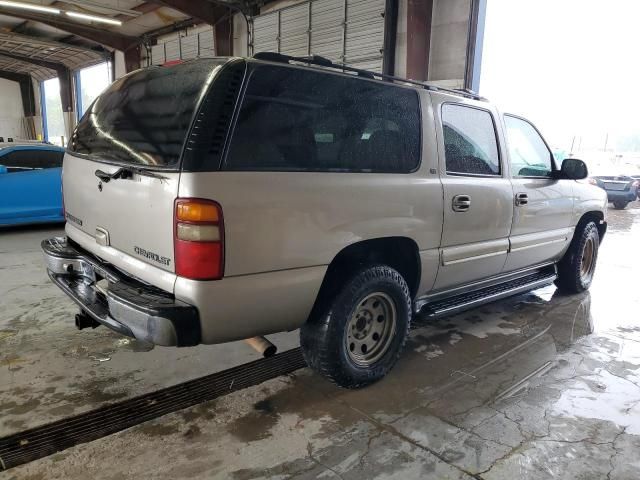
{"x":465,"y":301}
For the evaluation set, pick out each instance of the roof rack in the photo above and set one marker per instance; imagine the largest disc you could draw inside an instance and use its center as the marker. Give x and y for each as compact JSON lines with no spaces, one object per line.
{"x":325,"y":62}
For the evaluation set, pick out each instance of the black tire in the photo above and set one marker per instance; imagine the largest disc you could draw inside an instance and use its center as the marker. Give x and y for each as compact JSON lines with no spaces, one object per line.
{"x":324,"y":337}
{"x":620,"y":205}
{"x":572,"y":277}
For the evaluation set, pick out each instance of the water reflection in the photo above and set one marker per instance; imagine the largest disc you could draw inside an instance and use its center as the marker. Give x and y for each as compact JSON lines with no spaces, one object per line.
{"x":522,"y":340}
{"x":623,"y":220}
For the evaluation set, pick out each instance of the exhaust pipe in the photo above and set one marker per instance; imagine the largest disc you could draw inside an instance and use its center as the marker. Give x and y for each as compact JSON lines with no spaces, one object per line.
{"x":85,"y":321}
{"x":262,"y":346}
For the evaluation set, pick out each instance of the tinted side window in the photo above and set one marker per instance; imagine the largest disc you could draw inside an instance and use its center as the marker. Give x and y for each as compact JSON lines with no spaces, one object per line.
{"x":300,"y":120}
{"x":470,"y":141}
{"x":528,"y":154}
{"x":32,"y":159}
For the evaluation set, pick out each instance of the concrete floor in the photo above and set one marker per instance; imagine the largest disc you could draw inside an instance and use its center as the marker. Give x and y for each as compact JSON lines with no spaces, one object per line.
{"x":537,"y":386}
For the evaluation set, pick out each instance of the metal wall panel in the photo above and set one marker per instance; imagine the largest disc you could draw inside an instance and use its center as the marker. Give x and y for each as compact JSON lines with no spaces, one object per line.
{"x":189,"y":47}
{"x":157,"y":54}
{"x":294,"y":30}
{"x":365,"y":33}
{"x":266,"y":31}
{"x":205,"y":43}
{"x":172,"y":50}
{"x":327,"y":29}
{"x":349,"y":31}
{"x":196,"y":43}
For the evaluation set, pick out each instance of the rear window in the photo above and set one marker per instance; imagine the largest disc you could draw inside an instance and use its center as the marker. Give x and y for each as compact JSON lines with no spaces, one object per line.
{"x":300,"y":120}
{"x":144,"y":118}
{"x":31,"y":159}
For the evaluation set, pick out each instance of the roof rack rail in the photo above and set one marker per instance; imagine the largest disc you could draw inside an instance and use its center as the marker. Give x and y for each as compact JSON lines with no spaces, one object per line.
{"x":325,"y":62}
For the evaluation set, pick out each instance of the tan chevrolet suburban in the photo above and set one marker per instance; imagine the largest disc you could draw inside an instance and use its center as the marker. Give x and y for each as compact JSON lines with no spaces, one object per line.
{"x":228,"y":198}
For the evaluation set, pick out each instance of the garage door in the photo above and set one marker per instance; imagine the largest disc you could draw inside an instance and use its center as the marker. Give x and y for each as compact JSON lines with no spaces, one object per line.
{"x":197,"y":43}
{"x":345,"y":31}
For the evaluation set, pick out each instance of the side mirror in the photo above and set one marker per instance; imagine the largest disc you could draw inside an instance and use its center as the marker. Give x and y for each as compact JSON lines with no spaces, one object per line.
{"x":573,"y":169}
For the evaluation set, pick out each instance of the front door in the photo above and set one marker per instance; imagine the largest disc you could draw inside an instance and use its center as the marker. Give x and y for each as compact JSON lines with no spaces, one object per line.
{"x":543,"y":206}
{"x":478,"y":205}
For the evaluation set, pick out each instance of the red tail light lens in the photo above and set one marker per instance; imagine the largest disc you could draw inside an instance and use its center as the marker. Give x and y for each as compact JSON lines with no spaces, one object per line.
{"x":198,"y":239}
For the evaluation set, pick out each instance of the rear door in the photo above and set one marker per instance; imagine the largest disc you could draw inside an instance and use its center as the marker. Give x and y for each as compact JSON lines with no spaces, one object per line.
{"x":134,"y":132}
{"x":478,"y":206}
{"x":543,"y":205}
{"x":30,"y":189}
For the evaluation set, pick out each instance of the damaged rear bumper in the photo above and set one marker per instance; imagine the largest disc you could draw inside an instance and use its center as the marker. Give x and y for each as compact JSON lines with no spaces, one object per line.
{"x":121,"y":303}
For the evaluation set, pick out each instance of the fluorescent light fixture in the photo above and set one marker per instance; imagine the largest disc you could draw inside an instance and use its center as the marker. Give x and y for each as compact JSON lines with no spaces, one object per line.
{"x":93,"y":18}
{"x":30,"y":6}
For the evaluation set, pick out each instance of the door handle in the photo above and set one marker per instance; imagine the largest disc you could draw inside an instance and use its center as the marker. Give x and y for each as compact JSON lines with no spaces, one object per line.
{"x":521,"y":199}
{"x":461,"y":203}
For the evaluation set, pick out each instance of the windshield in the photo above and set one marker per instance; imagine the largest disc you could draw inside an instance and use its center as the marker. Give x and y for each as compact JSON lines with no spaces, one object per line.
{"x":144,"y":118}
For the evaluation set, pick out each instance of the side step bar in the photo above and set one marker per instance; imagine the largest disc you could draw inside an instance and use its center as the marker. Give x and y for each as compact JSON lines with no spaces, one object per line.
{"x":465,"y":301}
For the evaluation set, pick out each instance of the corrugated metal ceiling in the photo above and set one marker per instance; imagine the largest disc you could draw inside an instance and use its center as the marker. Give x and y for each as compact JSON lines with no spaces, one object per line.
{"x":37,"y":40}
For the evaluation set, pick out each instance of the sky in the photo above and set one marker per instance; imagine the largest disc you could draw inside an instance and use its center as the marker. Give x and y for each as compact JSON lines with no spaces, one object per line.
{"x":570,"y":66}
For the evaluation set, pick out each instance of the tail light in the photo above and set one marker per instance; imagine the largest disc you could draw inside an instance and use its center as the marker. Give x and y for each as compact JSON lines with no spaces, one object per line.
{"x":635,"y":184}
{"x":198,"y":239}
{"x":592,"y":181}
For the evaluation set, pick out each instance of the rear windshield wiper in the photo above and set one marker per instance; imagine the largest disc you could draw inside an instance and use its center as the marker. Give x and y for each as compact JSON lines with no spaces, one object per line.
{"x":126,"y":172}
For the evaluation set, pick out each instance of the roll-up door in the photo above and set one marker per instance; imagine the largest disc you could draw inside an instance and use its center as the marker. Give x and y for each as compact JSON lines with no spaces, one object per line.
{"x":347,"y":31}
{"x":197,"y":43}
{"x":365,"y":34}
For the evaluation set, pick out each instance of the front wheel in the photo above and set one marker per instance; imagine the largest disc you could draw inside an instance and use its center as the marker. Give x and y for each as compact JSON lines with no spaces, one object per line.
{"x":576,"y":269}
{"x":357,"y":337}
{"x":620,"y":205}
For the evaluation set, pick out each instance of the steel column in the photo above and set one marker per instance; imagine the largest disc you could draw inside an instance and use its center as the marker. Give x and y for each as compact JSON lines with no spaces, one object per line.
{"x":475,"y":41}
{"x":390,"y":32}
{"x":223,"y":31}
{"x":419,"y":18}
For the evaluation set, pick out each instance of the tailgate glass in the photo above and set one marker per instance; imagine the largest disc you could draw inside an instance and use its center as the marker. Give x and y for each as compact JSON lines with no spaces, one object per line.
{"x":143,"y":117}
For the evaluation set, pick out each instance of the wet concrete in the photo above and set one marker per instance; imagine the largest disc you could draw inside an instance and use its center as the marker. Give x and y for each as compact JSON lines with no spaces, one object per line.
{"x":537,"y":386}
{"x":50,"y":370}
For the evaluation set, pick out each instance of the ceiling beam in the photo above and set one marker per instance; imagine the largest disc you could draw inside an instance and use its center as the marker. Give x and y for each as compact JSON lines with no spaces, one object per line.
{"x":64,"y":76}
{"x":143,"y":8}
{"x":102,"y":36}
{"x":35,"y":61}
{"x":46,"y":42}
{"x":202,"y":10}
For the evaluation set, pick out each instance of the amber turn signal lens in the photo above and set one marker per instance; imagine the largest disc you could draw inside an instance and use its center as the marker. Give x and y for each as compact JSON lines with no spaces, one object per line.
{"x":194,"y":211}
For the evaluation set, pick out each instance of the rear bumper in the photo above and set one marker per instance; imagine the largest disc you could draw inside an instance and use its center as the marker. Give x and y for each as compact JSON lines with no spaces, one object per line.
{"x":121,"y":303}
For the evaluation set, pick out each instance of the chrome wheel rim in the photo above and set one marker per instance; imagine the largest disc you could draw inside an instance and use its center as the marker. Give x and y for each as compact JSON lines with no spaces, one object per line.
{"x":588,"y":263}
{"x":371,"y":328}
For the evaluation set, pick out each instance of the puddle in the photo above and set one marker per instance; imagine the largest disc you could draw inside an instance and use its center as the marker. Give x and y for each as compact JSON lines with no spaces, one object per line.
{"x":602,"y":397}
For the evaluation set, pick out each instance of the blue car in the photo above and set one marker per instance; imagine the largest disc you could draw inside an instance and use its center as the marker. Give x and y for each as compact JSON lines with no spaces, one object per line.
{"x":30,"y":183}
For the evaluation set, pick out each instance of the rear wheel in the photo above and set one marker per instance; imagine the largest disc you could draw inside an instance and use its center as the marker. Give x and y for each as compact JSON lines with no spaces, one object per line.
{"x":620,"y":205}
{"x":576,"y":269}
{"x":357,"y":337}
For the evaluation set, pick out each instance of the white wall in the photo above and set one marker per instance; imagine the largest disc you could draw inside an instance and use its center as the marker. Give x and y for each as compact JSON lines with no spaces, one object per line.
{"x":11,"y":111}
{"x":449,"y":30}
{"x":120,"y":69}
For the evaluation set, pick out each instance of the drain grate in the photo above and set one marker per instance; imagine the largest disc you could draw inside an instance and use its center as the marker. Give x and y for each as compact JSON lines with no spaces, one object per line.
{"x":39,"y":442}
